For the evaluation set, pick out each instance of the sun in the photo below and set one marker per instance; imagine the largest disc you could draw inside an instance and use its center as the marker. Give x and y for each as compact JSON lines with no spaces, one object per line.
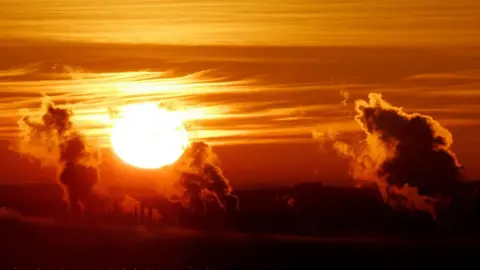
{"x":147,"y":136}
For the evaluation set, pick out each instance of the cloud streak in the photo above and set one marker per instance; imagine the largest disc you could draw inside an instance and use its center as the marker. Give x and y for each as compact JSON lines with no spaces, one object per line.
{"x":461,"y":75}
{"x":246,"y":22}
{"x":225,"y":96}
{"x":215,"y":109}
{"x":92,"y":95}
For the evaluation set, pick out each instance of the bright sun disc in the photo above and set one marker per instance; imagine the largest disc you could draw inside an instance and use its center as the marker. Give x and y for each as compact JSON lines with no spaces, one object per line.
{"x":147,"y":136}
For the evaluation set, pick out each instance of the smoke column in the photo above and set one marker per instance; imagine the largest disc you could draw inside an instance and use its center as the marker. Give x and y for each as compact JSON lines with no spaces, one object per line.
{"x":202,"y":179}
{"x":408,"y":156}
{"x":52,"y":139}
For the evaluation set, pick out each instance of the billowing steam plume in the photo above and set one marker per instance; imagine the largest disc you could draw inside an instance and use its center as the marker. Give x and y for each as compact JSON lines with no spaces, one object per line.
{"x":202,"y":179}
{"x":407,"y":155}
{"x":52,"y":139}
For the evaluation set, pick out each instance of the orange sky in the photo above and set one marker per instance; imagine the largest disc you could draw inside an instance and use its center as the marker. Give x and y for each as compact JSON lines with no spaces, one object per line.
{"x":246,"y":22}
{"x":258,"y":104}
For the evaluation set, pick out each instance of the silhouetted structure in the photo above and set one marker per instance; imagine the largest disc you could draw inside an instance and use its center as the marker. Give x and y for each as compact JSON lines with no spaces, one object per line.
{"x":306,"y":209}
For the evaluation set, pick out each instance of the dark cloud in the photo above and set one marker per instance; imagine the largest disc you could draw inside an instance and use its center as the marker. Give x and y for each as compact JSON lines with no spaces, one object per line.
{"x":407,"y":155}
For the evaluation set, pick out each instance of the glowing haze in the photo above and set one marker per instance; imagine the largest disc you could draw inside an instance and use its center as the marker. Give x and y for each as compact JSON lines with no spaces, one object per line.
{"x":251,"y":79}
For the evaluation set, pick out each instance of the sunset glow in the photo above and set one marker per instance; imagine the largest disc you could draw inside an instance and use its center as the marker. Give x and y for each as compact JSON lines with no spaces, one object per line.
{"x":250,"y":78}
{"x":200,"y":133}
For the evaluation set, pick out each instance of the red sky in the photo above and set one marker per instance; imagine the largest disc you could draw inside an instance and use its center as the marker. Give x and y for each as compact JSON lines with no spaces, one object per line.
{"x":257,"y":80}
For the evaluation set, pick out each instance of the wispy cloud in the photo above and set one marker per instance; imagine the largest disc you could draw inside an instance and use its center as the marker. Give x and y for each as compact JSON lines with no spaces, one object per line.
{"x":16,"y":72}
{"x":91,"y":95}
{"x":461,"y":75}
{"x":246,"y":22}
{"x":232,"y":100}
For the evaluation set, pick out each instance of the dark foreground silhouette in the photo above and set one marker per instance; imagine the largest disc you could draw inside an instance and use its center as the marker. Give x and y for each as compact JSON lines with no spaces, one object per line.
{"x":71,"y":246}
{"x":297,"y":228}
